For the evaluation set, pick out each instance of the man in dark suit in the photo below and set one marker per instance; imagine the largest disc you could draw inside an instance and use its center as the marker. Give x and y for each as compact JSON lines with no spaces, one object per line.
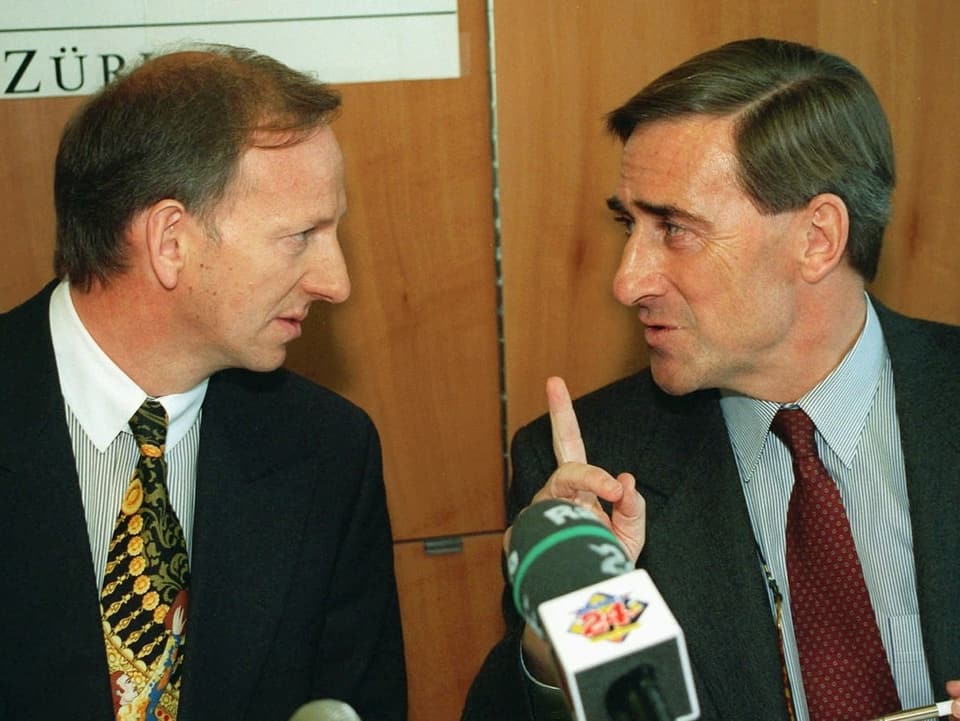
{"x":198,"y":200}
{"x":754,"y":190}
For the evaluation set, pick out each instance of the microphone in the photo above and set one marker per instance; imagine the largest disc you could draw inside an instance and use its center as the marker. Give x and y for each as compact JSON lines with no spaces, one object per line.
{"x":620,"y":652}
{"x":938,"y":710}
{"x":327,"y":709}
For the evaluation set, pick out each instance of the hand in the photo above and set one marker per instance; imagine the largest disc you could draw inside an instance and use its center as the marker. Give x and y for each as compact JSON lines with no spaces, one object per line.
{"x":576,"y":481}
{"x":953,"y":690}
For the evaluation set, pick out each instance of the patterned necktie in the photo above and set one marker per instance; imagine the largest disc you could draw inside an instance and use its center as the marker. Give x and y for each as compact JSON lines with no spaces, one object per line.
{"x":846,"y":676}
{"x":144,"y":596}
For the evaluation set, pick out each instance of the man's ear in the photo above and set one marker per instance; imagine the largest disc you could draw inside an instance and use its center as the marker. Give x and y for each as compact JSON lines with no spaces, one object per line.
{"x":827,"y":228}
{"x":166,"y":225}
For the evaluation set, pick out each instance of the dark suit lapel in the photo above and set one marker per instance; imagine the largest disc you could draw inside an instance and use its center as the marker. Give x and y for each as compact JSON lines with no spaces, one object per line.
{"x":928,"y":407}
{"x":46,"y":549}
{"x":702,"y":556}
{"x":238,"y":588}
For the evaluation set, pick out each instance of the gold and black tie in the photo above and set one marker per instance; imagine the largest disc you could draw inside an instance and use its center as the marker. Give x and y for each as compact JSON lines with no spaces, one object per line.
{"x":145,"y":587}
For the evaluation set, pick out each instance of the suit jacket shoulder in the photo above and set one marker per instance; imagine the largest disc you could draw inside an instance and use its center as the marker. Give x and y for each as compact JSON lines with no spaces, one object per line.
{"x":923,"y":355}
{"x":54,"y":615}
{"x":300,"y":602}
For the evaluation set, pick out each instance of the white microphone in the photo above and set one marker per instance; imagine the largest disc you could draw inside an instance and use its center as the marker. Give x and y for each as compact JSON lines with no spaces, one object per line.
{"x":619,"y":650}
{"x":327,"y":709}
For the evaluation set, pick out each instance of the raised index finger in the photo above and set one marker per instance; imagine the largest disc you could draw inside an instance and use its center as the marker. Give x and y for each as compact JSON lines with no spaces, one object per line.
{"x":567,"y":441}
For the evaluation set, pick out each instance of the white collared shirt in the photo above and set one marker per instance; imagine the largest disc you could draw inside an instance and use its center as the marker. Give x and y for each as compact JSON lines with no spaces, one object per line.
{"x":100,"y":399}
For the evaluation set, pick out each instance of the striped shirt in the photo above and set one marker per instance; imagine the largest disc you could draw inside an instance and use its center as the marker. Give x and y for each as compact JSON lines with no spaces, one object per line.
{"x":100,"y":399}
{"x":858,"y":438}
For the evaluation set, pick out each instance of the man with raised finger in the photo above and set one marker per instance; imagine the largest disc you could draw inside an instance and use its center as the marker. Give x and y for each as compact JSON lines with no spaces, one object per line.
{"x":793,"y":440}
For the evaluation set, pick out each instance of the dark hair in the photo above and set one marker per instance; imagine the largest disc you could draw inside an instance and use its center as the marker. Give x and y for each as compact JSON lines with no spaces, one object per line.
{"x":175,"y":127}
{"x":806,"y":122}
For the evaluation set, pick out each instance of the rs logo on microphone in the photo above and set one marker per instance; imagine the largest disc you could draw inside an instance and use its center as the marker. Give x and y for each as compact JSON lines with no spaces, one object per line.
{"x":608,"y":618}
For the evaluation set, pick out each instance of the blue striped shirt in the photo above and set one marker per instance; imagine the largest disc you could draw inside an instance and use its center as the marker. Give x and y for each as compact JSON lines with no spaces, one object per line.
{"x":858,"y":437}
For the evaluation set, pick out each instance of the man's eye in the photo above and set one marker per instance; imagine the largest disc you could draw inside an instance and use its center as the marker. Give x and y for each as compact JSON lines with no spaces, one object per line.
{"x":302,"y":236}
{"x":296,"y":243}
{"x":673,"y":230}
{"x":627,"y":222}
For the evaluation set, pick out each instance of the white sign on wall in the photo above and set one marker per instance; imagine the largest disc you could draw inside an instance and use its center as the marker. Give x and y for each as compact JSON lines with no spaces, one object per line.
{"x":50,"y":47}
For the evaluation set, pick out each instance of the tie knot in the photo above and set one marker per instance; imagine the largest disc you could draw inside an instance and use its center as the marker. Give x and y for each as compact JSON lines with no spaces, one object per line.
{"x":149,"y":426}
{"x":794,"y":427}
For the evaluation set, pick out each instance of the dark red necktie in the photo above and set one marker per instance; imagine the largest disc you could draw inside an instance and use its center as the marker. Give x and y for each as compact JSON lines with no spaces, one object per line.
{"x":846,"y":675}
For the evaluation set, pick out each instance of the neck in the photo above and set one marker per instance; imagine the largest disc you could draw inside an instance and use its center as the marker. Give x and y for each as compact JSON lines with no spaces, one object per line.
{"x":826,"y":326}
{"x":132,"y":322}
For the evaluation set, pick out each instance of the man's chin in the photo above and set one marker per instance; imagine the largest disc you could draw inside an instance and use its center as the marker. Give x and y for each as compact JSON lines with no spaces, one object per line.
{"x":670,"y":381}
{"x":266,"y":362}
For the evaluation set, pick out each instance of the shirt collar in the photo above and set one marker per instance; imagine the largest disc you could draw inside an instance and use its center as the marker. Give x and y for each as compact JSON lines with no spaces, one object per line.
{"x":102,"y":397}
{"x":838,"y":405}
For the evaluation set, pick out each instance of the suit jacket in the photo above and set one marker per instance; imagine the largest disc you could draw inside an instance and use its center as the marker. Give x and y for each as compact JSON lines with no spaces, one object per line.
{"x":700,"y":546}
{"x":293,"y":594}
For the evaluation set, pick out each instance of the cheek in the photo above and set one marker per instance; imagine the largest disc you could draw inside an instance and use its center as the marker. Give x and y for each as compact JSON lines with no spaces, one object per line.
{"x":220,"y":297}
{"x":762,"y":322}
{"x":242,"y":283}
{"x":725,"y":306}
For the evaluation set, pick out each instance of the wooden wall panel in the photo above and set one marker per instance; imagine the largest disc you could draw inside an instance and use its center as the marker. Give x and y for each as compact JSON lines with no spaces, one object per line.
{"x":562,"y":66}
{"x":451,"y":618}
{"x":29,"y":134}
{"x":416,"y":344}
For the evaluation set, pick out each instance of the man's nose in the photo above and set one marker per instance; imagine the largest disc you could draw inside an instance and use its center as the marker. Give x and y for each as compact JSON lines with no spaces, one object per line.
{"x":639,"y":274}
{"x":327,"y":278}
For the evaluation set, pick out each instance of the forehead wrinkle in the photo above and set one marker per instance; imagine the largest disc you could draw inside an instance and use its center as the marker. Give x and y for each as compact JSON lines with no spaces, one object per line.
{"x":665,"y":211}
{"x":668,"y":210}
{"x":691,"y":161}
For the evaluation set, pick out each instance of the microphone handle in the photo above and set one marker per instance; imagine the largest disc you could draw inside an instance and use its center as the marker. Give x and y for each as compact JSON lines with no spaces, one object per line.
{"x":937,"y":710}
{"x":637,"y":697}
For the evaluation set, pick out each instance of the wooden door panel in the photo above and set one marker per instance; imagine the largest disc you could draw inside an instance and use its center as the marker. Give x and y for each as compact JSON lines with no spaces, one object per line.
{"x":450,"y":605}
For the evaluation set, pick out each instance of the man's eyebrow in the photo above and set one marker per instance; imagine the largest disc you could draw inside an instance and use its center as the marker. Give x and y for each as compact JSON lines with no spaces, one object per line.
{"x":660,"y":211}
{"x":613,"y":202}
